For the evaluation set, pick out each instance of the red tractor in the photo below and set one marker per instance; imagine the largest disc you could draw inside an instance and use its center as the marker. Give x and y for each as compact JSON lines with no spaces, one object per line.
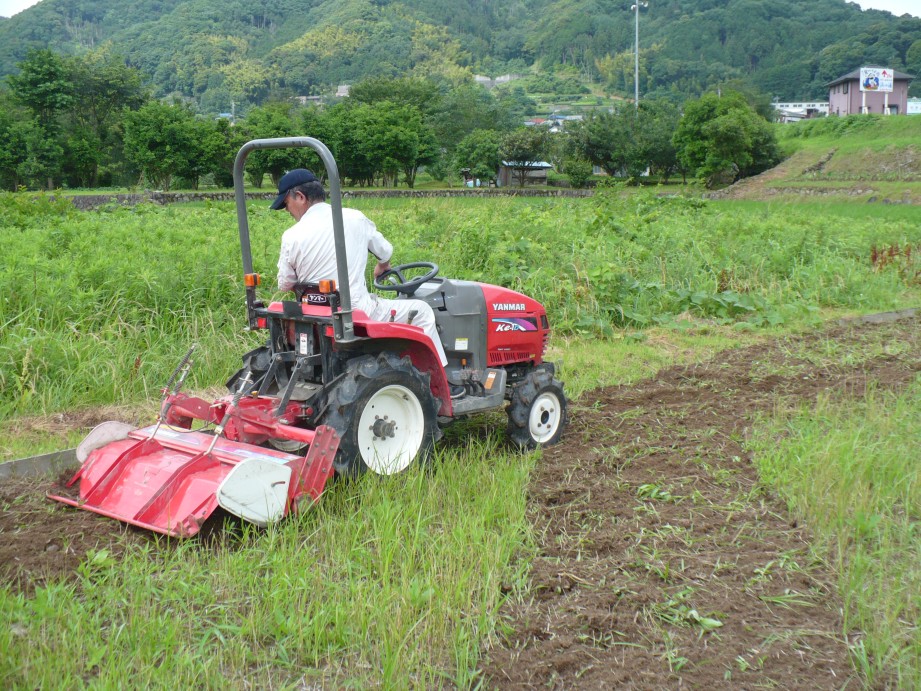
{"x":330,"y":391}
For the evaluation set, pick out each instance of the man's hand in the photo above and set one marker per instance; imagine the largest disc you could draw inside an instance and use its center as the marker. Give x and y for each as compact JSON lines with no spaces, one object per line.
{"x":381,"y":268}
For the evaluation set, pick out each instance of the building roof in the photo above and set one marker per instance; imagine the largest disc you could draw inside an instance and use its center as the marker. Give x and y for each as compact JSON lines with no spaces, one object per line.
{"x":534,"y":165}
{"x":855,"y":76}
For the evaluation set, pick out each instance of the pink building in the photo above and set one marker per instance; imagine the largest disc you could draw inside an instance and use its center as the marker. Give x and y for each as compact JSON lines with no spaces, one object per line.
{"x":846,"y":98}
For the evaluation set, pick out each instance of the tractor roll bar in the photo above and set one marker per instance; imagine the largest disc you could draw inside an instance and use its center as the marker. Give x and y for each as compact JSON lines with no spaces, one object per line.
{"x":342,"y":320}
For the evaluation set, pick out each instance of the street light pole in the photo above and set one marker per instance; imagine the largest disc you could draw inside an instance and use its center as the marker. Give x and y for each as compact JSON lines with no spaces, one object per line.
{"x":636,"y":53}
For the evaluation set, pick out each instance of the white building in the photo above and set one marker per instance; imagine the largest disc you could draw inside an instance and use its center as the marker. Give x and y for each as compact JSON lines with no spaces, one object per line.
{"x":793,"y":111}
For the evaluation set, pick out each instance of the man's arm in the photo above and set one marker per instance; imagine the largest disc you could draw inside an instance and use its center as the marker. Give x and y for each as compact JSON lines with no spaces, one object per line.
{"x":381,"y":248}
{"x":286,"y":276}
{"x":381,"y":268}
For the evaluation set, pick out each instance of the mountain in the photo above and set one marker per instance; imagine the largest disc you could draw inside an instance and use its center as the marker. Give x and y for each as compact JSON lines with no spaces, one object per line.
{"x":247,"y":50}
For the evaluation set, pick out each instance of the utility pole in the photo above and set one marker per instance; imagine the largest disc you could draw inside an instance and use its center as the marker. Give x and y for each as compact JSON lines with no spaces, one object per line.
{"x":636,"y":65}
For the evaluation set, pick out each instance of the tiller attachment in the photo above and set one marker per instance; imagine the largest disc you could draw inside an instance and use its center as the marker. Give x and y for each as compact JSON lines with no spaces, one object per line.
{"x":170,"y":480}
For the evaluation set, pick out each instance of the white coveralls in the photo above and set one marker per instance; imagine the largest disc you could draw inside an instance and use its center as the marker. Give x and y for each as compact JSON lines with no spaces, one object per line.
{"x":308,"y":255}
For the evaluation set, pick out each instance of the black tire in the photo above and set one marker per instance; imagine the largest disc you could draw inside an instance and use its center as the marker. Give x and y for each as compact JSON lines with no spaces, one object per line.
{"x":537,"y":412}
{"x":385,"y":414}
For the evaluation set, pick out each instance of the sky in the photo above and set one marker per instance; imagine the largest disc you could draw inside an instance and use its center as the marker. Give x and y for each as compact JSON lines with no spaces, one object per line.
{"x":898,"y":7}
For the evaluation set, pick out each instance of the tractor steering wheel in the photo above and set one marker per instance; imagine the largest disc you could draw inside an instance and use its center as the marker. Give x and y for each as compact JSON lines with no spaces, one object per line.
{"x":397,"y":281}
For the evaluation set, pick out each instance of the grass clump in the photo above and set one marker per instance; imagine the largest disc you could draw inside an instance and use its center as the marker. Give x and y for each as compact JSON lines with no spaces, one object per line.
{"x":851,"y":469}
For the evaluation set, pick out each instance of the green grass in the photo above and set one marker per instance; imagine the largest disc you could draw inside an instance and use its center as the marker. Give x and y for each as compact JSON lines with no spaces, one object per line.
{"x":869,"y":151}
{"x":391,"y":583}
{"x":98,"y":307}
{"x":835,"y":211}
{"x":851,"y":470}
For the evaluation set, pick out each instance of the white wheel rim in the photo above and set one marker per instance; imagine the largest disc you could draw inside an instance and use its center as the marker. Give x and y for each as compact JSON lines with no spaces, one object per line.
{"x":390,"y":430}
{"x":544,"y":419}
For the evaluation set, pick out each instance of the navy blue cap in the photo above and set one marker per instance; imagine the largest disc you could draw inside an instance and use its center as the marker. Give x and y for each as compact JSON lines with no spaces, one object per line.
{"x":289,"y":181}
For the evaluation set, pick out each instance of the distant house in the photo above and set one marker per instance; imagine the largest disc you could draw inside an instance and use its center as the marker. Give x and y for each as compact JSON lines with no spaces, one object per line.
{"x":846,"y":98}
{"x":794,"y":111}
{"x":535,"y":172}
{"x":343,"y":90}
{"x":304,"y":100}
{"x":558,"y":123}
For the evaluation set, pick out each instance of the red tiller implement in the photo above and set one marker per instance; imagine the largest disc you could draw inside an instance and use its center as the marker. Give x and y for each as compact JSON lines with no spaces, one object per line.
{"x":171,"y":479}
{"x":169,"y":482}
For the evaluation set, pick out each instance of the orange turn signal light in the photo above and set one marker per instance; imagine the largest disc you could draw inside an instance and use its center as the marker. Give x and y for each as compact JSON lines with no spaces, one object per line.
{"x":327,"y":286}
{"x":252,"y":280}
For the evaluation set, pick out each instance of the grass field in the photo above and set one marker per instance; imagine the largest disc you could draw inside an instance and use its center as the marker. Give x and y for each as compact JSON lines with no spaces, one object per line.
{"x":851,"y":469}
{"x":855,"y":159}
{"x":399,"y":583}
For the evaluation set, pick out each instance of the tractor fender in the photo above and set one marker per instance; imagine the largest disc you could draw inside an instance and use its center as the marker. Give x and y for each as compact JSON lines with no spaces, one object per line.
{"x":411,"y":341}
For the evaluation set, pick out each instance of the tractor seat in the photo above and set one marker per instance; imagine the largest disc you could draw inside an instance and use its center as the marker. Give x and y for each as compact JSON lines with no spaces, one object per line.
{"x":310,"y":293}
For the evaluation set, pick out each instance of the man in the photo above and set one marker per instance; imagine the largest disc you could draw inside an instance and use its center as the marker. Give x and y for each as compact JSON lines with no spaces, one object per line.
{"x":308,"y":253}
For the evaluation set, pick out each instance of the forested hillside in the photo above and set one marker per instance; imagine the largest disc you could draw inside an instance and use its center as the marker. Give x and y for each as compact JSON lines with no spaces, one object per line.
{"x":248,"y":50}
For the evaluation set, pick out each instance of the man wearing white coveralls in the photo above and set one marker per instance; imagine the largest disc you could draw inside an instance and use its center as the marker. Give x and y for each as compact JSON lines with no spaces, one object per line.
{"x":308,"y":253}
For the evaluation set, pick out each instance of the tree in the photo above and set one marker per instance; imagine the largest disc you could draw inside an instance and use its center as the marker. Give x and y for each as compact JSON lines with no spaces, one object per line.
{"x":913,"y":65}
{"x":228,"y":141}
{"x":421,"y":93}
{"x":41,"y":155}
{"x":479,"y":151}
{"x":579,"y":172}
{"x":396,"y":138}
{"x":166,"y":140}
{"x":521,"y":149}
{"x":606,"y":139}
{"x":271,"y":120}
{"x":656,"y":122}
{"x":43,"y":86}
{"x":517,"y":102}
{"x":13,"y":121}
{"x":205,"y":151}
{"x":466,"y":108}
{"x":721,"y":137}
{"x":103,"y":89}
{"x":346,"y":139}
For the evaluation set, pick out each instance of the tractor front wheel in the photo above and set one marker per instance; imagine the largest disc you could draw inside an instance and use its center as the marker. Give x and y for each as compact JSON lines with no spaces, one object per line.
{"x":385,"y":414}
{"x":537,"y":410}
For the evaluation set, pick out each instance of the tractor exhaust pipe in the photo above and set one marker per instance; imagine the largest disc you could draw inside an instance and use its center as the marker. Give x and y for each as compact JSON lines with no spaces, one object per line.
{"x":342,"y":320}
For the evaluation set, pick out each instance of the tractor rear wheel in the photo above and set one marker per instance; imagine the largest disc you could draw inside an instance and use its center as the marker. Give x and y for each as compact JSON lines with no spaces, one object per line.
{"x":385,"y":414}
{"x":537,"y":410}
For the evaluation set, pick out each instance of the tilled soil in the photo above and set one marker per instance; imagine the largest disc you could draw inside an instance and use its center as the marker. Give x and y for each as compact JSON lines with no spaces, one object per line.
{"x":43,"y":541}
{"x":653,"y":526}
{"x":652,"y":529}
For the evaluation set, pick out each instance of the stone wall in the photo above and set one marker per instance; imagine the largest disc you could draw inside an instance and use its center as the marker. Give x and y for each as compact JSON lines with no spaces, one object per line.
{"x":95,"y":201}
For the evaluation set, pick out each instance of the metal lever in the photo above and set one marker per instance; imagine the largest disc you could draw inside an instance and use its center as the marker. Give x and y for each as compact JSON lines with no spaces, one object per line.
{"x":244,"y":382}
{"x":182,"y":371}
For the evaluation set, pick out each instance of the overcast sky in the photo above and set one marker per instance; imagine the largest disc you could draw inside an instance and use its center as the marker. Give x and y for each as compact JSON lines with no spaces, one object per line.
{"x":899,"y":7}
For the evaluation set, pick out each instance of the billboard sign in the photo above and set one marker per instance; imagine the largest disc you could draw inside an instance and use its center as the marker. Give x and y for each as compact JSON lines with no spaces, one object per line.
{"x":876,"y":79}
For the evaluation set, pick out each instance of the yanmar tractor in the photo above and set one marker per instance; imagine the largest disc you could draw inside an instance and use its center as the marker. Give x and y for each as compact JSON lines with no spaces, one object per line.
{"x":330,"y":391}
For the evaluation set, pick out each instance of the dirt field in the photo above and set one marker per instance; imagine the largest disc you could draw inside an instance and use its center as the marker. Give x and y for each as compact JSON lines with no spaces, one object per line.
{"x":651,"y":521}
{"x":660,"y":560}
